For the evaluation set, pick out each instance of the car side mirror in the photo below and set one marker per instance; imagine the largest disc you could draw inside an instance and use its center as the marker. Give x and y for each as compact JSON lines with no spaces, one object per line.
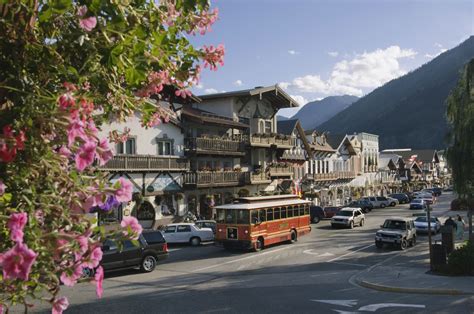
{"x":105,"y":248}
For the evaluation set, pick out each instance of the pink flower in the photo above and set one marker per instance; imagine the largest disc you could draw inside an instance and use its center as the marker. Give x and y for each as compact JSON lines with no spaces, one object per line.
{"x":94,"y":258}
{"x":76,"y":129}
{"x":2,"y":189}
{"x":71,"y":279}
{"x":82,"y":10}
{"x":66,"y":100}
{"x":64,"y":151}
{"x":60,"y":305}
{"x":213,"y":56}
{"x":99,"y":278}
{"x":83,"y":247}
{"x":124,"y":191}
{"x":104,"y":154}
{"x":132,"y":223}
{"x":85,"y":155}
{"x":88,"y":24}
{"x":16,"y":223}
{"x":17,"y":262}
{"x":183,"y":93}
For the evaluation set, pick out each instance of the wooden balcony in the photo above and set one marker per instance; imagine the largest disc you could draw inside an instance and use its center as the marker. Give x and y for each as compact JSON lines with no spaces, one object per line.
{"x":259,"y":178}
{"x":215,"y":146}
{"x":331,"y":176}
{"x":289,"y":155}
{"x":268,"y":140}
{"x":139,"y":163}
{"x":216,"y":179}
{"x":281,"y":171}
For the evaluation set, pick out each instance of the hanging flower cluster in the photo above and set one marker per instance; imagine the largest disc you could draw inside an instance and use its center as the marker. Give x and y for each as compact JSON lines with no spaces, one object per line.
{"x":10,"y":143}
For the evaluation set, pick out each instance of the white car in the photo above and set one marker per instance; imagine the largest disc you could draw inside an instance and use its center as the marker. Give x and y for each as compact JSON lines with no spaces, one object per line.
{"x":187,"y":233}
{"x":348,"y":217}
{"x":393,"y":201}
{"x":421,"y":224}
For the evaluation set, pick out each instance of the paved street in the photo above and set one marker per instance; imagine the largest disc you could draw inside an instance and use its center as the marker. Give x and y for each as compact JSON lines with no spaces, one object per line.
{"x":316,"y":274}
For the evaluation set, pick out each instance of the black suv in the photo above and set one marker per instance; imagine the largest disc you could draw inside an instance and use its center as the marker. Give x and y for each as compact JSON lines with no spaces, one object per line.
{"x":401,"y":197}
{"x":316,"y":213}
{"x":152,"y":248}
{"x":364,"y":205}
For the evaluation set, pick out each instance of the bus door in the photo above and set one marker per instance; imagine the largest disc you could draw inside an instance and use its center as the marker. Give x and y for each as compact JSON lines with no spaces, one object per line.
{"x":258,"y":220}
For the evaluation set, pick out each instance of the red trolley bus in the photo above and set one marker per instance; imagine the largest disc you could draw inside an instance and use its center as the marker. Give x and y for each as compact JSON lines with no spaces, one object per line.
{"x":255,"y":222}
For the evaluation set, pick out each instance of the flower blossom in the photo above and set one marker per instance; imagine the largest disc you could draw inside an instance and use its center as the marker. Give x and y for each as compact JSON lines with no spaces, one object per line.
{"x":17,"y":262}
{"x":94,"y":258}
{"x":11,"y":143}
{"x":99,"y":278}
{"x":83,"y":243}
{"x":71,"y":279}
{"x":85,"y":156}
{"x":104,"y":153}
{"x":2,"y":188}
{"x":16,"y":223}
{"x":183,"y":93}
{"x":111,"y":202}
{"x":124,"y":190}
{"x":66,"y":101}
{"x":60,"y":305}
{"x":87,"y":23}
{"x":76,"y":130}
{"x":213,"y":56}
{"x":132,"y":223}
{"x":204,"y":22}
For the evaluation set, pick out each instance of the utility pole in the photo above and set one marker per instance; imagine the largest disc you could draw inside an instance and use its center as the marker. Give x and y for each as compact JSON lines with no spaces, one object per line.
{"x":428,"y":215}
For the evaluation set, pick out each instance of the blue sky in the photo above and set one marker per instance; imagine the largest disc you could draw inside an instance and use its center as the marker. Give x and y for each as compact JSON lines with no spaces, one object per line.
{"x":315,"y":49}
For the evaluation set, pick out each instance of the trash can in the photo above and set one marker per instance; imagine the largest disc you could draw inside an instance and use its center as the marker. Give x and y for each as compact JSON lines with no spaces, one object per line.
{"x":438,"y":256}
{"x":447,"y":238}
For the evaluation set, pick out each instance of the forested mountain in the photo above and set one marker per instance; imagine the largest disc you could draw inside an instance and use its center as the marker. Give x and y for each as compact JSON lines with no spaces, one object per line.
{"x":408,"y":111}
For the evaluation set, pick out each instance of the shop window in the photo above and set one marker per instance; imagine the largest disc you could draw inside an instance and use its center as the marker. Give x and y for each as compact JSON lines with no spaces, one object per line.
{"x":129,"y":147}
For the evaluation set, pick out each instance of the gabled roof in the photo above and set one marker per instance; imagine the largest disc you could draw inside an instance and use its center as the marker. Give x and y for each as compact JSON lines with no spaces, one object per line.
{"x":386,"y":162}
{"x":274,"y":94}
{"x":202,"y":116}
{"x":423,"y":155}
{"x":286,"y":127}
{"x":335,"y":140}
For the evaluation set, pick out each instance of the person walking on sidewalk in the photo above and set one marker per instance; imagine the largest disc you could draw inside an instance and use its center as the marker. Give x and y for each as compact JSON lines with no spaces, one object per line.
{"x":460,"y":228}
{"x":451,"y":222}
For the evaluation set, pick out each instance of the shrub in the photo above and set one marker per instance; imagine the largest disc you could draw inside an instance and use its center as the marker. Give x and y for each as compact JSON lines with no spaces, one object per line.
{"x":461,"y":260}
{"x":461,"y":204}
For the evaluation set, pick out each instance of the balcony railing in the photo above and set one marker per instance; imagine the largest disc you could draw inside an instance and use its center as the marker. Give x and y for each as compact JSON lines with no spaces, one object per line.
{"x":279,"y":171}
{"x":289,"y":155}
{"x":262,"y":177}
{"x":145,"y":162}
{"x":209,"y":179}
{"x":219,"y":146}
{"x":267,"y":140}
{"x":331,"y":175}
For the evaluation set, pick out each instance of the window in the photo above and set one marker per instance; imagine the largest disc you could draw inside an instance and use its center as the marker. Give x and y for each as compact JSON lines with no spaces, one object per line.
{"x":276,"y":213}
{"x":268,"y":127}
{"x":184,"y":228}
{"x":306,"y":210}
{"x":283,"y":213}
{"x":128,"y":245}
{"x":165,"y":147}
{"x":220,"y":215}
{"x":243,"y":216}
{"x":261,"y":214}
{"x":170,"y":229}
{"x":129,"y":147}
{"x":153,"y":237}
{"x":269,"y":214}
{"x":289,"y":211}
{"x":111,"y":244}
{"x":254,"y":216}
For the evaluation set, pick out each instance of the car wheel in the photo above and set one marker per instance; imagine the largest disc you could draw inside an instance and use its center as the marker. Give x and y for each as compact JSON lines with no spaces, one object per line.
{"x":361,"y":222}
{"x":195,"y":241}
{"x":294,"y":236}
{"x":379,"y":244}
{"x":352,"y":224}
{"x":148,"y":264}
{"x":382,"y":205}
{"x":392,"y":204}
{"x":413,"y":241}
{"x":403,"y":244}
{"x":259,"y":245}
{"x":316,"y":219}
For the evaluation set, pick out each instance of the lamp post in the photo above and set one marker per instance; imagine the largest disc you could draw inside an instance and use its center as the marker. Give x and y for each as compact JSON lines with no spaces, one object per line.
{"x":428,"y":214}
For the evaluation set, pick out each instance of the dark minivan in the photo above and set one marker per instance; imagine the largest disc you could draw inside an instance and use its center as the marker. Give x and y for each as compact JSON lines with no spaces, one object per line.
{"x":316,"y":213}
{"x":152,"y":248}
{"x":401,"y":197}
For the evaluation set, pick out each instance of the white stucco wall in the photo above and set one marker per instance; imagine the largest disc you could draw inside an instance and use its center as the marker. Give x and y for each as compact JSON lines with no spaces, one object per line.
{"x":145,"y":138}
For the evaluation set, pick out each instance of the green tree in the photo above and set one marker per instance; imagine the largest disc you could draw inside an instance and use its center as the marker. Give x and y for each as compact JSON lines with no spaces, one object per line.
{"x":460,"y":154}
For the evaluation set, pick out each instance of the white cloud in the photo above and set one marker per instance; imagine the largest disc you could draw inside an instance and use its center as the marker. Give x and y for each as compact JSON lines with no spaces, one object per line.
{"x":199,"y":86}
{"x":284,"y":85}
{"x":364,"y":71}
{"x":210,"y":91}
{"x":441,"y":49}
{"x":238,"y":83}
{"x":333,"y":53}
{"x":300,"y":99}
{"x":293,"y":52}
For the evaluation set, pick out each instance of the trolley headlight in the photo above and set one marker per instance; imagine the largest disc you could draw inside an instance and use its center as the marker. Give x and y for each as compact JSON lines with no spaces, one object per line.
{"x":220,"y":230}
{"x":246,"y":231}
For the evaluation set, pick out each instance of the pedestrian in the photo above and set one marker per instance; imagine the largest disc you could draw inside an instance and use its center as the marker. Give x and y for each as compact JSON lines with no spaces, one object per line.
{"x":450,"y":222}
{"x":460,"y":228}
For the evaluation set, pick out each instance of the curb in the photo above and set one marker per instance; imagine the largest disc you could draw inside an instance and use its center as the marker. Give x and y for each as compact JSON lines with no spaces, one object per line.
{"x":380,"y":287}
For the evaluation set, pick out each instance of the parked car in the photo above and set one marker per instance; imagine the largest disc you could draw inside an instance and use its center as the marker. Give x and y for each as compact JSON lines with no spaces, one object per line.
{"x":393,"y":201}
{"x":330,"y":211}
{"x":152,"y":248}
{"x":429,"y":191}
{"x":421,"y":224}
{"x":417,"y":203}
{"x":400,"y":232}
{"x":364,"y":205}
{"x":429,"y":199}
{"x":378,"y":201}
{"x":206,"y":224}
{"x":316,"y":213}
{"x":438,"y":191}
{"x":401,"y":197}
{"x":348,"y":217}
{"x":187,"y":233}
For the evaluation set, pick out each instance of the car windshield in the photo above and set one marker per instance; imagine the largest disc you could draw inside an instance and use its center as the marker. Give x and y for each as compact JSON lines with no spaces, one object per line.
{"x":416,"y":201}
{"x":395,"y":224}
{"x":425,"y":219}
{"x":345,"y":213}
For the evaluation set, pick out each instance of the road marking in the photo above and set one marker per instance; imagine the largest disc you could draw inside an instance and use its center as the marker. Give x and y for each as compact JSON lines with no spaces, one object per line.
{"x":310,"y":252}
{"x":243,"y":258}
{"x":174,"y":250}
{"x":346,"y":303}
{"x":350,"y":264}
{"x":375,"y":307}
{"x":350,"y":253}
{"x":326,"y":274}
